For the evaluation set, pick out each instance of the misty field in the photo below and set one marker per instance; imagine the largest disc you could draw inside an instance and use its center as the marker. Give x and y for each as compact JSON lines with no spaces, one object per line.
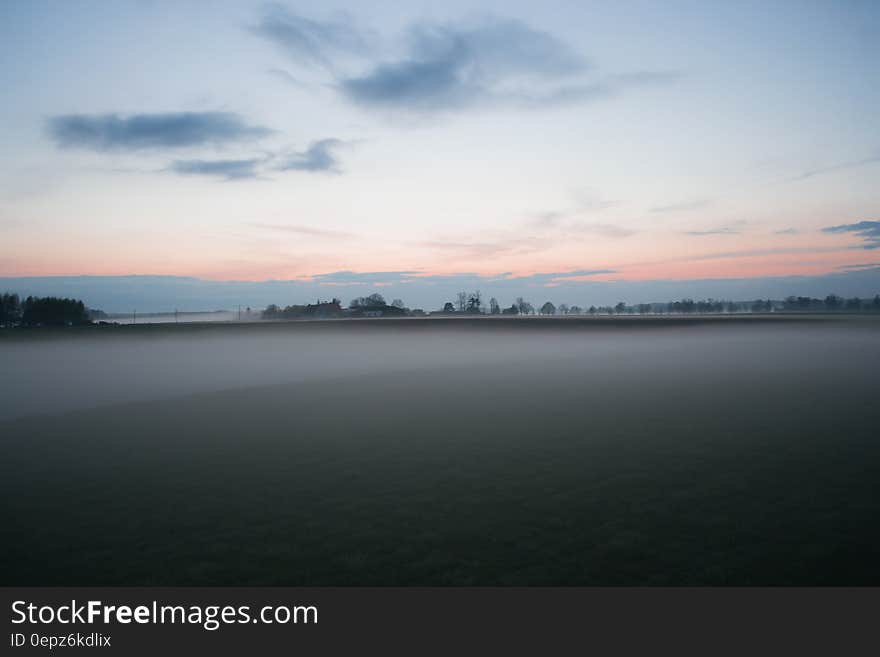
{"x":450,"y":452}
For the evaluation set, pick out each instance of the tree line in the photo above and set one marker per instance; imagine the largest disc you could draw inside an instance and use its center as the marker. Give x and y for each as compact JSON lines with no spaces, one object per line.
{"x":373,"y":305}
{"x":471,"y":303}
{"x":58,"y":311}
{"x":42,"y":311}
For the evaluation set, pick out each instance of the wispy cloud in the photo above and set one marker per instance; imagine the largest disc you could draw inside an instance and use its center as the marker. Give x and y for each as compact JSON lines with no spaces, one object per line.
{"x":860,"y":267}
{"x":603,"y":88}
{"x":113,"y":132}
{"x":724,"y":230}
{"x":454,"y":65}
{"x":318,"y":157}
{"x":464,"y":278}
{"x":788,"y":231}
{"x":289,"y":78}
{"x":305,"y":230}
{"x":588,"y":201}
{"x":363,"y":278}
{"x":744,"y":253}
{"x":569,"y":222}
{"x":604,"y":230}
{"x":684,"y":206}
{"x":486,"y":249}
{"x":225,"y":169}
{"x":140,"y":132}
{"x":547,"y":219}
{"x":839,"y":166}
{"x":867,"y":230}
{"x":312,"y":42}
{"x":555,"y":278}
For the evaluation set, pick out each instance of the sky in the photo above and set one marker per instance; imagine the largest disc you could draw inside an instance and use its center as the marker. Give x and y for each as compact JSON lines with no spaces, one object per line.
{"x":341,"y":147}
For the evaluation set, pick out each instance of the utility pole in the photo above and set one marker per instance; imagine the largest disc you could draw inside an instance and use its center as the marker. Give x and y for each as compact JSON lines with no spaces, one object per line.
{"x":134,"y":316}
{"x":175,"y":315}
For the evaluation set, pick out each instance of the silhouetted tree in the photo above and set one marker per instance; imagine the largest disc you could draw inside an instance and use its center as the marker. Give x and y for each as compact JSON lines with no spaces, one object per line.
{"x":524,"y":307}
{"x":513,"y":310}
{"x":494,"y":308}
{"x":548,"y":309}
{"x":10,"y":309}
{"x":620,"y":308}
{"x":475,"y":302}
{"x":53,"y":311}
{"x":448,"y":307}
{"x":372,"y":301}
{"x":805,"y":303}
{"x":563,"y":309}
{"x":398,"y":303}
{"x":593,"y":310}
{"x":832,"y":302}
{"x":462,"y":300}
{"x":575,"y":310}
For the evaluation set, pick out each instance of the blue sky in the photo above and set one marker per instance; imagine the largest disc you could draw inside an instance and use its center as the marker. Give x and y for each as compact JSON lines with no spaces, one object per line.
{"x":629,"y":142}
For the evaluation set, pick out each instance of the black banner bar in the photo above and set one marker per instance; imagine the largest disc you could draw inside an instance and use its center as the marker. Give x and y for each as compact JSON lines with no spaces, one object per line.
{"x":415,"y":621}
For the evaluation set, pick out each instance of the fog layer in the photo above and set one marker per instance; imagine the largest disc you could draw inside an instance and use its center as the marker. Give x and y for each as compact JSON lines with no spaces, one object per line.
{"x":67,"y":372}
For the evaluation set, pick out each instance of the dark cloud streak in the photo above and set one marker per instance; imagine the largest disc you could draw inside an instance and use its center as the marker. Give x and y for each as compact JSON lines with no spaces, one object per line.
{"x":113,"y":132}
{"x":453,"y":65}
{"x":318,"y":157}
{"x":867,"y":230}
{"x":226,"y":169}
{"x":445,"y":66}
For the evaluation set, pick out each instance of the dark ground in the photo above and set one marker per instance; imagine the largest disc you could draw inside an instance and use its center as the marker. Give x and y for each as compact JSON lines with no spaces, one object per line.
{"x":712,"y":459}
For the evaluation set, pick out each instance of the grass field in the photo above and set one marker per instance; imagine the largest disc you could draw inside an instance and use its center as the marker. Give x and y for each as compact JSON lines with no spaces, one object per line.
{"x":450,"y":453}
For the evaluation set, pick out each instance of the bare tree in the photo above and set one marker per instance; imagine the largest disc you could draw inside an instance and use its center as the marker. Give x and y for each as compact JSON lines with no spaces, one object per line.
{"x":462,"y":299}
{"x":494,"y":308}
{"x":475,"y":302}
{"x":374,"y":299}
{"x":563,"y":309}
{"x":524,"y":307}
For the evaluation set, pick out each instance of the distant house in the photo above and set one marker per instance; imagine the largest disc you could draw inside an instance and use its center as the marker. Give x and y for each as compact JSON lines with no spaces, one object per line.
{"x":324,"y":309}
{"x":319,"y":310}
{"x":377,"y":310}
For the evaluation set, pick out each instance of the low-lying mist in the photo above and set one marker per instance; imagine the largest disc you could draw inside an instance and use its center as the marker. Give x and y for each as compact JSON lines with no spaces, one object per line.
{"x":63,"y":372}
{"x":438,"y":453}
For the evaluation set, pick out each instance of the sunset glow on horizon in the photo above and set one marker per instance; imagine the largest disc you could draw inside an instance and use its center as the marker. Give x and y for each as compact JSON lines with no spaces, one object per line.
{"x":254,"y":142}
